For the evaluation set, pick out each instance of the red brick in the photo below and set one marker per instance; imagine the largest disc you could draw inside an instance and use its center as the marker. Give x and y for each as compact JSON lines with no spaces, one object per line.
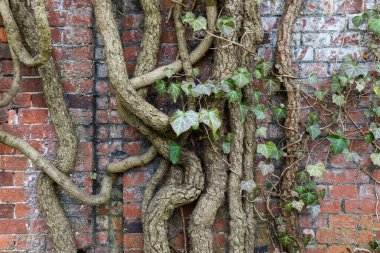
{"x":339,"y":236}
{"x":132,"y":210}
{"x":343,"y":191}
{"x":369,"y":222}
{"x":3,"y":36}
{"x":57,"y":18}
{"x":33,"y":116}
{"x":13,"y":163}
{"x":134,"y":241}
{"x":366,"y":206}
{"x":13,"y":226}
{"x":344,"y":176}
{"x":6,"y":178}
{"x":139,"y":178}
{"x":22,"y":210}
{"x":12,"y":195}
{"x":343,"y":221}
{"x":6,"y":211}
{"x":330,"y":206}
{"x":7,"y":242}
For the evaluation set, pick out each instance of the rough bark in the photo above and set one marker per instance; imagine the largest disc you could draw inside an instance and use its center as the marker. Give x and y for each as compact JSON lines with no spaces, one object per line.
{"x":292,"y":129}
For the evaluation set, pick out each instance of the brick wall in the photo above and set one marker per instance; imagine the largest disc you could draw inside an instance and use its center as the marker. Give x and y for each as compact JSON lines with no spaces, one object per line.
{"x":322,"y":33}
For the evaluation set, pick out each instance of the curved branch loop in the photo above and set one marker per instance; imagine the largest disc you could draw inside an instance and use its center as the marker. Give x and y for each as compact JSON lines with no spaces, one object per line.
{"x":7,"y":99}
{"x":14,"y":37}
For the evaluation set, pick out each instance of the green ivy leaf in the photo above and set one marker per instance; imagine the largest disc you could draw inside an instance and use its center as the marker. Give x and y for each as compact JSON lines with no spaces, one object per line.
{"x":358,"y":20}
{"x":272,"y":85}
{"x":264,"y":67}
{"x":175,"y":90}
{"x":312,"y":118}
{"x":316,"y":170}
{"x":314,"y":130}
{"x":338,"y":143}
{"x":310,"y":198}
{"x":242,"y":77}
{"x":230,"y":136}
{"x":259,"y":111}
{"x":320,"y":95}
{"x":376,"y":110}
{"x":262,"y":132}
{"x":256,"y":95}
{"x":234,"y":96}
{"x":375,"y":130}
{"x":339,"y":100}
{"x":313,"y":78}
{"x":375,"y":158}
{"x":303,"y":175}
{"x":183,"y":121}
{"x":174,"y":152}
{"x":267,"y":149}
{"x":298,"y":205}
{"x":226,"y":25}
{"x":279,"y":112}
{"x":160,"y":87}
{"x":169,"y":72}
{"x":374,"y":25}
{"x":300,"y":189}
{"x":195,"y":72}
{"x":226,"y":147}
{"x":189,"y":17}
{"x":369,"y":138}
{"x":286,"y":240}
{"x":373,"y":244}
{"x":201,"y":89}
{"x":211,"y":118}
{"x":265,"y":168}
{"x":322,"y":194}
{"x":351,"y":156}
{"x":354,"y":70}
{"x":244,"y":109}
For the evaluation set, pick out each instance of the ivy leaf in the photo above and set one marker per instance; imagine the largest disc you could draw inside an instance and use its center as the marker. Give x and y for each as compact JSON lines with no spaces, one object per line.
{"x":259,"y":111}
{"x":160,"y":87}
{"x":226,"y":25}
{"x":264,"y":67}
{"x":313,"y":78}
{"x":272,"y":85}
{"x":300,"y":189}
{"x":338,"y":143}
{"x":374,"y":25}
{"x":373,"y":244}
{"x":175,"y":90}
{"x":188,"y":17}
{"x":244,"y":109}
{"x":211,"y":118}
{"x":267,"y":149}
{"x":242,"y":77}
{"x":265,"y":168}
{"x":339,"y":100}
{"x":375,"y":158}
{"x":183,"y":121}
{"x":248,"y":185}
{"x":169,"y":72}
{"x":320,"y":95}
{"x":257,"y":95}
{"x":310,"y":198}
{"x":174,"y":152}
{"x":351,"y":156}
{"x":314,"y":210}
{"x":286,"y":240}
{"x":376,"y":110}
{"x":230,"y":136}
{"x":226,"y":147}
{"x":354,"y":70}
{"x":298,"y":205}
{"x":234,"y":96}
{"x":262,"y":132}
{"x":303,"y":175}
{"x":369,"y":138}
{"x":360,"y":84}
{"x":201,"y":89}
{"x":197,"y":24}
{"x":312,"y":118}
{"x":195,"y":72}
{"x":322,"y":194}
{"x":375,"y":130}
{"x":314,"y":130}
{"x":358,"y":20}
{"x":279,"y":112}
{"x":316,"y":170}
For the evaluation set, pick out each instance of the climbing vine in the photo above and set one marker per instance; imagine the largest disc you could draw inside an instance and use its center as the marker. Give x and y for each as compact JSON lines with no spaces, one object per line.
{"x":220,"y":115}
